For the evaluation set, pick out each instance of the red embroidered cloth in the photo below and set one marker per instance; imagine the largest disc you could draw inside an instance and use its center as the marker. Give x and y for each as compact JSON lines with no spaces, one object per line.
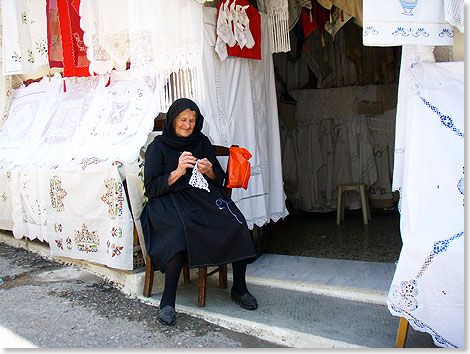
{"x":255,"y":29}
{"x":53,"y":35}
{"x":73,"y":48}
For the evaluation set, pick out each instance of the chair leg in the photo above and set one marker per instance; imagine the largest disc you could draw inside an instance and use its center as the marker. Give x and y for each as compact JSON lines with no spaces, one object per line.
{"x":202,"y":285}
{"x":223,"y":276}
{"x":364,"y":204}
{"x":186,"y":274}
{"x":338,"y":211}
{"x":149,"y":272}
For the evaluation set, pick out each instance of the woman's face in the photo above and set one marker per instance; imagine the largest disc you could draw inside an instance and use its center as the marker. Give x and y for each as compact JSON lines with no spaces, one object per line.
{"x":184,"y":123}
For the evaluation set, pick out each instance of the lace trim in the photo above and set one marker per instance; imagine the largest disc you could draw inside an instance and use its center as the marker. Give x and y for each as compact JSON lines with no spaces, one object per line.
{"x":118,"y":47}
{"x":454,"y":13}
{"x":197,"y":180}
{"x":262,"y":220}
{"x":278,"y":21}
{"x":223,"y":124}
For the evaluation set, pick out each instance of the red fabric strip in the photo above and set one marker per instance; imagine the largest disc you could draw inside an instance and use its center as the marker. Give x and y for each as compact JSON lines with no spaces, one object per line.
{"x":73,"y":49}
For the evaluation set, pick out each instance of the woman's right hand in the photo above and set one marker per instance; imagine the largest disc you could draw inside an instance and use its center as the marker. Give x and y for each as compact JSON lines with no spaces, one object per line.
{"x":186,"y":160}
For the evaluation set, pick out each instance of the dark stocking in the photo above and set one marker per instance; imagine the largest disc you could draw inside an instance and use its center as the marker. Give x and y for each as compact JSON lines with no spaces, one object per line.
{"x":239,"y":282}
{"x":172,"y":276}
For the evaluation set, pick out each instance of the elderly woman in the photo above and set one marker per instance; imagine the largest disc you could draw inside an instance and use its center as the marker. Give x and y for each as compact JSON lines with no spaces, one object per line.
{"x":188,"y":211}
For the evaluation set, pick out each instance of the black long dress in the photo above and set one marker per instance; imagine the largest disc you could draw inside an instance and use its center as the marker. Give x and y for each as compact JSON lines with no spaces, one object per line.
{"x":207,"y":224}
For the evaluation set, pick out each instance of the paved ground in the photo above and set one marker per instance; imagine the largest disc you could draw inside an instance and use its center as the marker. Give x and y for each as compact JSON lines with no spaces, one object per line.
{"x":49,"y":305}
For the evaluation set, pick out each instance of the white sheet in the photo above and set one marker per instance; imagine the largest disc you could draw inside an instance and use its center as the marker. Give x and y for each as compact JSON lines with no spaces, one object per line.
{"x":428,"y":285}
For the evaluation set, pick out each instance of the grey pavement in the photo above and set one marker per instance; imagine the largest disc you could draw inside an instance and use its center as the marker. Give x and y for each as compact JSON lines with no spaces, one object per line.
{"x":304,"y":302}
{"x":45,"y":304}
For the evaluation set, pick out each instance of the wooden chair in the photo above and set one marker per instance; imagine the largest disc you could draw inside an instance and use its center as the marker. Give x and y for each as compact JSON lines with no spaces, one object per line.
{"x":202,"y":271}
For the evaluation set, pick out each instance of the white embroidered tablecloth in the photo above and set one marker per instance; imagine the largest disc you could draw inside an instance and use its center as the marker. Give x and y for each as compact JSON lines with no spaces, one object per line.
{"x":24,"y":35}
{"x":428,"y":285}
{"x":398,"y":22}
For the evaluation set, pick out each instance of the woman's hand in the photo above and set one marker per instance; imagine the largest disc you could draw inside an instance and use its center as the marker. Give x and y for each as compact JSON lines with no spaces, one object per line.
{"x":205,"y":166}
{"x":186,"y":160}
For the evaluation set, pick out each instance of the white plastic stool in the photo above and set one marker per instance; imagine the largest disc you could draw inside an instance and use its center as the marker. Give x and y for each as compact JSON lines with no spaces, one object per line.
{"x":361,"y":189}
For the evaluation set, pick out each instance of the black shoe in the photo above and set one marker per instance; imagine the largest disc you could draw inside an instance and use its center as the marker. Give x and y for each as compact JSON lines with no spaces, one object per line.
{"x":167,"y":315}
{"x":246,"y":300}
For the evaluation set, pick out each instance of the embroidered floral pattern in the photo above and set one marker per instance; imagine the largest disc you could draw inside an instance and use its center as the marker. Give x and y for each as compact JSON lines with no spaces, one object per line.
{"x":114,"y":197}
{"x":370,"y":30}
{"x":446,"y":32}
{"x":114,"y":249}
{"x":58,"y":227}
{"x":57,"y":194}
{"x":446,"y":121}
{"x":89,"y":161}
{"x":402,"y":298}
{"x":86,"y":241}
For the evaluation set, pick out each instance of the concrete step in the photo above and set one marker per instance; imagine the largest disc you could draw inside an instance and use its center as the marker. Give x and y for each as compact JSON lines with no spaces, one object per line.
{"x":306,"y":303}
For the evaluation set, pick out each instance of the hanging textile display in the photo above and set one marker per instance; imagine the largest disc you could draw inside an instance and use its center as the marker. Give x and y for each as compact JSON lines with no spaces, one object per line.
{"x":278,"y":24}
{"x":87,"y":214}
{"x":351,"y":7}
{"x":337,"y":19}
{"x":106,"y":36}
{"x":54,"y":39}
{"x":398,"y":22}
{"x":454,"y":13}
{"x":249,"y":120}
{"x":73,"y":48}
{"x":166,"y":47}
{"x":238,"y":30}
{"x":428,"y":285}
{"x":6,"y":217}
{"x":24,"y":36}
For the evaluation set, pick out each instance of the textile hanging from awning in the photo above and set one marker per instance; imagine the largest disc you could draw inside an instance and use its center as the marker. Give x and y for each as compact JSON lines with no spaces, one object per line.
{"x":166,"y":47}
{"x":399,"y":22}
{"x":24,"y":36}
{"x":106,"y":34}
{"x":428,"y":285}
{"x":241,"y":109}
{"x":56,"y":58}
{"x":74,"y":50}
{"x":278,"y":23}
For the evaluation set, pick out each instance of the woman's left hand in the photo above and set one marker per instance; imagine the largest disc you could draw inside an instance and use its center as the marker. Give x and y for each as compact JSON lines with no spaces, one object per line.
{"x":204,"y":166}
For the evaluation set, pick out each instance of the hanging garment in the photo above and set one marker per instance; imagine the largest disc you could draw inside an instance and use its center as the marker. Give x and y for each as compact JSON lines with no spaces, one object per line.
{"x":242,"y":110}
{"x":337,"y":19}
{"x":24,"y":37}
{"x":428,"y":285}
{"x":282,"y":16}
{"x":398,"y":22}
{"x":54,"y":39}
{"x":166,"y":47}
{"x":74,"y":50}
{"x":351,"y":7}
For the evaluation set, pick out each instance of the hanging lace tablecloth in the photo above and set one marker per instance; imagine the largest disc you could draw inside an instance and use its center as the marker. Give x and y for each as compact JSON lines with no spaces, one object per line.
{"x":166,"y":46}
{"x":428,"y":285}
{"x":24,"y":36}
{"x":106,"y":34}
{"x":398,"y":22}
{"x":454,"y":13}
{"x":242,"y":110}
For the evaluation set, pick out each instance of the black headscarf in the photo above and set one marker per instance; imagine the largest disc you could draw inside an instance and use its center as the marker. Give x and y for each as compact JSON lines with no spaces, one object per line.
{"x":169,"y":136}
